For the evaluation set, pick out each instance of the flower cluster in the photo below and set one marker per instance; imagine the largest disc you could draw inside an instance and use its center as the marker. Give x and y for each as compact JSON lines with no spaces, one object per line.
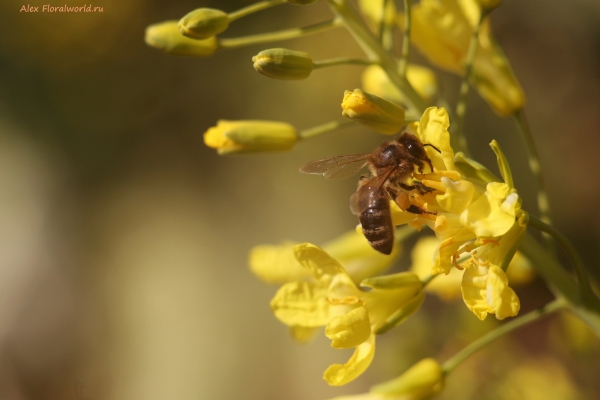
{"x":476,"y":216}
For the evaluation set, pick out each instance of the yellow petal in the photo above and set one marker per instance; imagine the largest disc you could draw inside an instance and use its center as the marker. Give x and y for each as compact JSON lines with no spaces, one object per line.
{"x":421,"y":381}
{"x":349,"y":330}
{"x":447,"y":250}
{"x":457,"y":197}
{"x":441,"y":32}
{"x":501,"y":298}
{"x":433,"y":129}
{"x":276,"y":263}
{"x":448,"y":286}
{"x":338,"y":374}
{"x":486,"y":291}
{"x":302,"y":304}
{"x":494,"y":213}
{"x":371,"y":10}
{"x":320,"y":264}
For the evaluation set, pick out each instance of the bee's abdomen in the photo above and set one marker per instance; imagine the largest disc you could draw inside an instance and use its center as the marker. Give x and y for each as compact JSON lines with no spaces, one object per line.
{"x":377,"y":227}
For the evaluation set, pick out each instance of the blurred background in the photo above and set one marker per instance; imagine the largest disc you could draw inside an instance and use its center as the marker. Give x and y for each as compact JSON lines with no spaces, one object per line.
{"x":124,"y":241}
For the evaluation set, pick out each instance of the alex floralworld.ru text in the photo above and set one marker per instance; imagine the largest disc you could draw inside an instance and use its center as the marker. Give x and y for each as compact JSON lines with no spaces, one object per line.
{"x":63,"y":8}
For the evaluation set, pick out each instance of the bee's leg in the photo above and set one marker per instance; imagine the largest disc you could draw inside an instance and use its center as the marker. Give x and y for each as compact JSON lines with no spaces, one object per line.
{"x":422,"y":189}
{"x":403,"y":201}
{"x":418,"y":210}
{"x":392,"y":192}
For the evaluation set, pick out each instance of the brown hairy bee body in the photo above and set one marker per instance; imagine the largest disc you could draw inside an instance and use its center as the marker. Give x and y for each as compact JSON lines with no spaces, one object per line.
{"x":391,"y":165}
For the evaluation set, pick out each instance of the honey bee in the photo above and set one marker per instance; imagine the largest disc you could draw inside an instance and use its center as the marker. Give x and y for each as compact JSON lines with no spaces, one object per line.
{"x":391,"y":165}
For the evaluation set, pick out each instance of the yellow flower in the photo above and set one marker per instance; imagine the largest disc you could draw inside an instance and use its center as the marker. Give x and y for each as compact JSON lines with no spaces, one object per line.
{"x":283,"y":64}
{"x":422,"y":381}
{"x":372,"y":11}
{"x":486,"y":291}
{"x":376,"y":81}
{"x":203,"y":23}
{"x":165,"y":36}
{"x":233,"y":137}
{"x":477,"y":219}
{"x":277,"y":263}
{"x":373,"y":112}
{"x":351,"y":316}
{"x":446,"y":286}
{"x":442,"y":30}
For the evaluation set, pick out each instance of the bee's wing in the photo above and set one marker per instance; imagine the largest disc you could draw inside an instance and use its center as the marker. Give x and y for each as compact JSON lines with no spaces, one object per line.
{"x":339,"y":167}
{"x":370,"y":193}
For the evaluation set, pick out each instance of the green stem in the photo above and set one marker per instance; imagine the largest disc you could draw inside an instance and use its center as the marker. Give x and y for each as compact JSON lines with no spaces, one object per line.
{"x":534,"y":166}
{"x":457,"y":139}
{"x":261,"y":5}
{"x":340,"y":61}
{"x":403,"y":65}
{"x":585,"y":288}
{"x":385,"y":30}
{"x":278,"y":35}
{"x":502,"y":330}
{"x":324,"y":128}
{"x":377,"y":53}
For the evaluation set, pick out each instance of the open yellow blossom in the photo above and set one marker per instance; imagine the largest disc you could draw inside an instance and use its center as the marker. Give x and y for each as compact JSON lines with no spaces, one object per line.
{"x":234,"y":137}
{"x":442,"y":30}
{"x":351,"y":316}
{"x":478,"y":219}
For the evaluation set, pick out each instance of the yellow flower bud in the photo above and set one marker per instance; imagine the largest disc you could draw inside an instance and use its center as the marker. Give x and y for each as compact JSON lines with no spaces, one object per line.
{"x":421,"y":381}
{"x":373,"y":112}
{"x":203,"y":23}
{"x":165,"y":36}
{"x":301,"y":2}
{"x":230,"y":137}
{"x":283,"y":64}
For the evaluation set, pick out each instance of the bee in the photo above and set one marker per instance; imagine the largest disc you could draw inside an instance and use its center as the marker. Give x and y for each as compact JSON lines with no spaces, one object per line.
{"x":391,"y":165}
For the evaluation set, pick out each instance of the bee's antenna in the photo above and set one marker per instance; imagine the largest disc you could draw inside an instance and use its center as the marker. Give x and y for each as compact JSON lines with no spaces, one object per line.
{"x":430,"y":145}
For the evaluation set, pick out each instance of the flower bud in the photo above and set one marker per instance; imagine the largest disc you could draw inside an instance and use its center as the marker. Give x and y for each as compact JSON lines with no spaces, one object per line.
{"x":301,"y":2}
{"x":231,"y":137}
{"x":283,"y":64}
{"x":373,"y":112}
{"x":165,"y":36}
{"x":421,"y":381}
{"x":203,"y":23}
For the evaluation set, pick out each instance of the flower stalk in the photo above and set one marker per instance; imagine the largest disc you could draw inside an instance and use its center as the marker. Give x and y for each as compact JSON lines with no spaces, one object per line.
{"x":375,"y":52}
{"x":256,"y":7}
{"x":486,"y":339}
{"x":403,"y":63}
{"x":285,"y":34}
{"x":458,"y":139}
